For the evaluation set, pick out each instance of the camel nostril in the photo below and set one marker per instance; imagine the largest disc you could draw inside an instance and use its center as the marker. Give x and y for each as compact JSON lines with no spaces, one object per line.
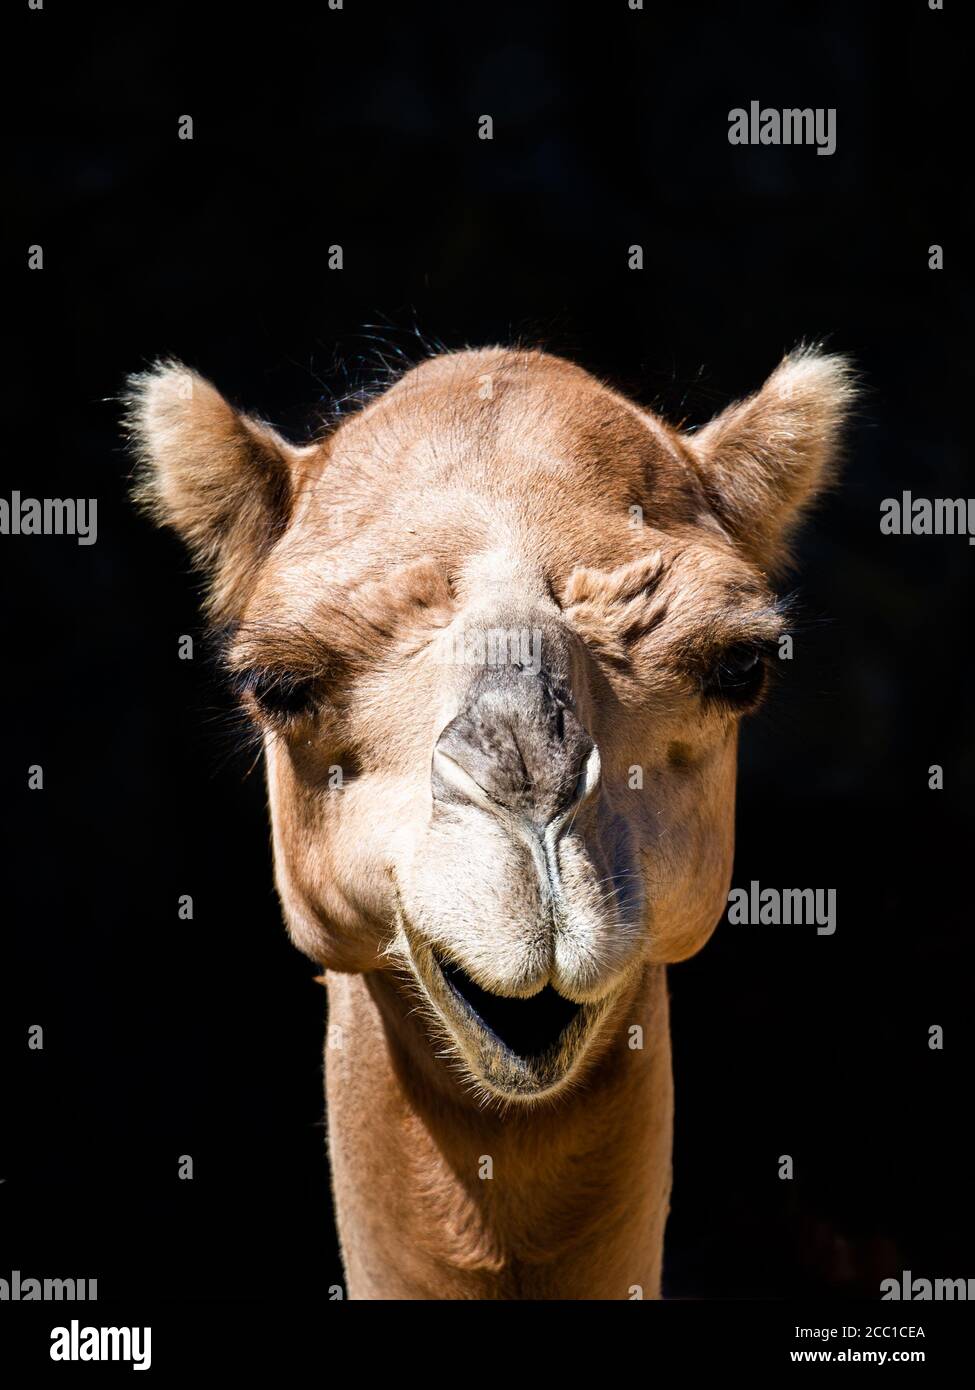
{"x":452,"y":782}
{"x":589,"y":777}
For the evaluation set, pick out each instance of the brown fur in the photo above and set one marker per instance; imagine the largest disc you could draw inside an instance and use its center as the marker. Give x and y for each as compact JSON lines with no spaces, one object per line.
{"x":490,"y":490}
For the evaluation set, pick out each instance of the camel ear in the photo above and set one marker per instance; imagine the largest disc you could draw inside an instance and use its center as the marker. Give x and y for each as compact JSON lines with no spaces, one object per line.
{"x":220,"y":479}
{"x":764,"y":459}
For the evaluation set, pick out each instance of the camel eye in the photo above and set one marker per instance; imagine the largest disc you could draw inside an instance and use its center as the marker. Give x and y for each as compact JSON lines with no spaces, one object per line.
{"x":280,"y":696}
{"x":738,"y":674}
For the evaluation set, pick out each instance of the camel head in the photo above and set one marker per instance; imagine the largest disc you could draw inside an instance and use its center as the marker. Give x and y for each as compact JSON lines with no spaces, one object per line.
{"x":497,"y":631}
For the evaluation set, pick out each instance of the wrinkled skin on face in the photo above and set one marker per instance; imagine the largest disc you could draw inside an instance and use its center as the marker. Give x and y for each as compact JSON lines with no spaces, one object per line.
{"x":499,"y":630}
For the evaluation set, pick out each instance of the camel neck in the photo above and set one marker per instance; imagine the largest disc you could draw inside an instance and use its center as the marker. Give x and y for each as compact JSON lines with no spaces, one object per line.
{"x":439,"y":1197}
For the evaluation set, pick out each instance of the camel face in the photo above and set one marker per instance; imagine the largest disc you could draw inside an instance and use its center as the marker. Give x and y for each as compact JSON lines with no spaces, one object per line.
{"x":499,"y":630}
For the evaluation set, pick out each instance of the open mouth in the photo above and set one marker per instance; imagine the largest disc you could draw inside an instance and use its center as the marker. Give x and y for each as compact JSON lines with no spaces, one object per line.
{"x":516,"y":1049}
{"x":529,"y":1028}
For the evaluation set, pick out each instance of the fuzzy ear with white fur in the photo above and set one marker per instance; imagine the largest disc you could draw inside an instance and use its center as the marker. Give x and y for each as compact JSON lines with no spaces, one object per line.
{"x":221,"y":480}
{"x":764,"y":460}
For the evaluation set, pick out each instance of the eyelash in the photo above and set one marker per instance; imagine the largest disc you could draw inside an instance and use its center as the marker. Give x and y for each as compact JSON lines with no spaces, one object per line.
{"x":281,"y":697}
{"x":733,"y":682}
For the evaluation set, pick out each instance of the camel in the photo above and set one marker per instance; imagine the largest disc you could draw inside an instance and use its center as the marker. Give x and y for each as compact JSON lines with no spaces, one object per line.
{"x":497,"y":631}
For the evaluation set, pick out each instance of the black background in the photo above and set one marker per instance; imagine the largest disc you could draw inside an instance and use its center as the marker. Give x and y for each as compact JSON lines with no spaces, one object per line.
{"x":359,"y":127}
